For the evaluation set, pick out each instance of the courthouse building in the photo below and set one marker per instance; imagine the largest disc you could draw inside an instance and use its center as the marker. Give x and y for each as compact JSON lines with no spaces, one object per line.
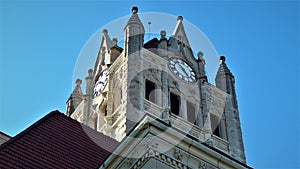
{"x":145,"y":105}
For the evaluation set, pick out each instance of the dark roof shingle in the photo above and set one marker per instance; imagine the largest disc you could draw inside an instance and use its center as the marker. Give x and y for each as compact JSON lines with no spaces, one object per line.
{"x":56,"y":141}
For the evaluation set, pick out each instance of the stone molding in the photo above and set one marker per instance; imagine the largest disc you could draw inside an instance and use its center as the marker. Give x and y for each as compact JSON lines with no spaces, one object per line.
{"x":152,"y":153}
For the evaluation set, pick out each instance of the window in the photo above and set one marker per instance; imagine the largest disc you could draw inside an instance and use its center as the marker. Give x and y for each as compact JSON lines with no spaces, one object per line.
{"x":150,"y":91}
{"x":191,"y":112}
{"x":175,"y":103}
{"x":105,"y":111}
{"x":216,"y":125}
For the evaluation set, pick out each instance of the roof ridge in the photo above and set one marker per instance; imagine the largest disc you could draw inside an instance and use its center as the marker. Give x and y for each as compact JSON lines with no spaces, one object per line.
{"x":28,"y":129}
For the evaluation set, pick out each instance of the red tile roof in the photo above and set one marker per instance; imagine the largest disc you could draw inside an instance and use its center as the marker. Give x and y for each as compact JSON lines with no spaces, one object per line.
{"x":56,"y":141}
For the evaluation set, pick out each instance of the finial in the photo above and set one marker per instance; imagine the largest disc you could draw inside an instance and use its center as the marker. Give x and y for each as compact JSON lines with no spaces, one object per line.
{"x":200,"y":57}
{"x":163,"y":34}
{"x":179,"y":18}
{"x":149,"y":23}
{"x":105,"y":31}
{"x":222,"y":59}
{"x":135,"y":10}
{"x":90,"y":72}
{"x":114,"y":41}
{"x":78,"y":82}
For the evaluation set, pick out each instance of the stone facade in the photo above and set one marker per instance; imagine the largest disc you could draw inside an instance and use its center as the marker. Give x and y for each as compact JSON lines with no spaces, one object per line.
{"x":140,"y":83}
{"x":148,"y":148}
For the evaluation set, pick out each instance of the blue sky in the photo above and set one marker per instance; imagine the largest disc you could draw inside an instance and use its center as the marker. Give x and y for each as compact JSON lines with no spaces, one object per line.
{"x":41,"y":40}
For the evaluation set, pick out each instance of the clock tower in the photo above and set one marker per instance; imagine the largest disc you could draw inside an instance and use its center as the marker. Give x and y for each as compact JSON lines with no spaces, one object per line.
{"x":163,"y":79}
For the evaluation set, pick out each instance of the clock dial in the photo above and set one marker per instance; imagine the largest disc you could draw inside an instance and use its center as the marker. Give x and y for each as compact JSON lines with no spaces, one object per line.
{"x":182,"y":70}
{"x":101,"y":82}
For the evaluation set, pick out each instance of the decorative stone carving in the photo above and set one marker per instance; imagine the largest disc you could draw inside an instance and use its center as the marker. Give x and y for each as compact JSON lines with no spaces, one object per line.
{"x":178,"y":155}
{"x":202,"y":165}
{"x":150,"y":142}
{"x":160,"y":157}
{"x":129,"y":161}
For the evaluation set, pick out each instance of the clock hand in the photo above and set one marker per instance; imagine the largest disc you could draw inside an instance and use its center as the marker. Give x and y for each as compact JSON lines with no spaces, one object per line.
{"x":182,"y":68}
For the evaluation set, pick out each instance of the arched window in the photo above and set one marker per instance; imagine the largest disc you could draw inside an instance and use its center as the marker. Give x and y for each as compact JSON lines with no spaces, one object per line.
{"x":150,"y":91}
{"x":217,"y":126}
{"x":191,"y":112}
{"x":175,"y":103}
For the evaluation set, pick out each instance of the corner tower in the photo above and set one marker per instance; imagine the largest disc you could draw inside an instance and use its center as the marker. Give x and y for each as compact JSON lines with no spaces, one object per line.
{"x":225,"y":81}
{"x":132,"y":80}
{"x":133,"y":33}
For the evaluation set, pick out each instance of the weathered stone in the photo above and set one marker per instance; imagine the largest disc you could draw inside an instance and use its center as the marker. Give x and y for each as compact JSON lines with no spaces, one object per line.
{"x":123,"y":102}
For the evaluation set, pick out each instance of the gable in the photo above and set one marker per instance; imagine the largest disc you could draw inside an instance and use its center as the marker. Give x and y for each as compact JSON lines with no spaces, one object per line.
{"x":178,"y":43}
{"x":179,"y":32}
{"x":105,"y":44}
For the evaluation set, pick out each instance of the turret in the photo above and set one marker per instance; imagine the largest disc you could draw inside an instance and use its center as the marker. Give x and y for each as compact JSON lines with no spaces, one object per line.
{"x":133,"y":83}
{"x":225,"y":81}
{"x":134,"y":33}
{"x":75,"y":98}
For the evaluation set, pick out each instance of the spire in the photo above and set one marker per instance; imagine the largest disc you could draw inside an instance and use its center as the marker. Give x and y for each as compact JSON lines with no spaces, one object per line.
{"x":75,"y":98}
{"x":223,"y":69}
{"x":77,"y":92}
{"x":179,"y":32}
{"x":224,"y":78}
{"x":105,"y":45}
{"x":178,"y":42}
{"x":225,"y":81}
{"x":133,"y":33}
{"x":134,"y":19}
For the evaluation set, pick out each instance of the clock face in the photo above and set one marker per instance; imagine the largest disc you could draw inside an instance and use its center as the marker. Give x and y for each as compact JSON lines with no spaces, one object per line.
{"x":101,"y":82}
{"x":182,"y":70}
